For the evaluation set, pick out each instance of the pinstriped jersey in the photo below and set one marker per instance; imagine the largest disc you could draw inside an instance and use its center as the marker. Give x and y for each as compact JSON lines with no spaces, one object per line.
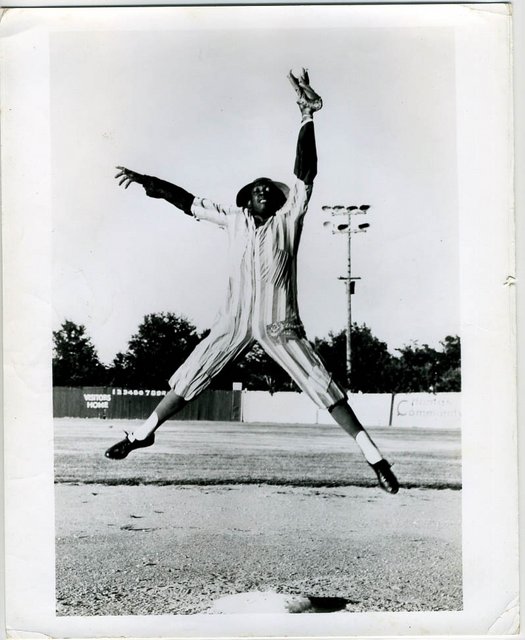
{"x":262,"y":281}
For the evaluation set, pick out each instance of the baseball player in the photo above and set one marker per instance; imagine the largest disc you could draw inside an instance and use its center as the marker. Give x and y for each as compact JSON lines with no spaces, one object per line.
{"x":263,"y":229}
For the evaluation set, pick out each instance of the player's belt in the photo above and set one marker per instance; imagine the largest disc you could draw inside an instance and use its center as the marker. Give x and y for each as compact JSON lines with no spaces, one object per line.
{"x":291,"y":329}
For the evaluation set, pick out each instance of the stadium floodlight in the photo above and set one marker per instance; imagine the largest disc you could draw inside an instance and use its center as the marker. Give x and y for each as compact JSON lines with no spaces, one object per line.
{"x":335,"y":208}
{"x":345,"y":226}
{"x":336,"y":227}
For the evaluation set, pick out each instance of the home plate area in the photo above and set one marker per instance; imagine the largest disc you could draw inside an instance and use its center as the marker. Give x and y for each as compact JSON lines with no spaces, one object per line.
{"x":271,"y":602}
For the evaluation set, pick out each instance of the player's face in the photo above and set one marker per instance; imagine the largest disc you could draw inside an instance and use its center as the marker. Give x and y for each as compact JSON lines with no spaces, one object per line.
{"x":264,"y":200}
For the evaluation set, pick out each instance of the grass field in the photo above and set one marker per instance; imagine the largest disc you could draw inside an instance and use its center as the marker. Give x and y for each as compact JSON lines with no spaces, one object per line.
{"x":219,"y":453}
{"x":218,"y":509}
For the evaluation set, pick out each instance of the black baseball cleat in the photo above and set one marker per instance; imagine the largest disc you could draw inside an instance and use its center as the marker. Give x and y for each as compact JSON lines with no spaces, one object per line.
{"x":386,"y":478}
{"x":120,"y":450}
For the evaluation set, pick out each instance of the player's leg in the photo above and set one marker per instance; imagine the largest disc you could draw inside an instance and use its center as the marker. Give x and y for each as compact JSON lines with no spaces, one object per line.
{"x":144,"y":436}
{"x":223,"y":344}
{"x":169,"y":406}
{"x":302,"y":363}
{"x":345,"y":417}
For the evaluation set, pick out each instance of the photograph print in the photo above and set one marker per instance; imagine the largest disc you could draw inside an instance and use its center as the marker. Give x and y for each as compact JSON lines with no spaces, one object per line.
{"x":258,"y":318}
{"x":248,"y":229}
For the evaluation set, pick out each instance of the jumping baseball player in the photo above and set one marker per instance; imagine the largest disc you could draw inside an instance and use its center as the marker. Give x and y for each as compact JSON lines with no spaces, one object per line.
{"x":263,"y":229}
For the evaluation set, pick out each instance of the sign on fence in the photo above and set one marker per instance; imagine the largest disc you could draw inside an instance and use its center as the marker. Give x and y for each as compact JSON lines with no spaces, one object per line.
{"x":439,"y":410}
{"x":118,"y":403}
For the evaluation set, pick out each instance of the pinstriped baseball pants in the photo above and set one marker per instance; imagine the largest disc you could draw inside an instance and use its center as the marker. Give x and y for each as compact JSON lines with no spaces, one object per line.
{"x":224,"y":343}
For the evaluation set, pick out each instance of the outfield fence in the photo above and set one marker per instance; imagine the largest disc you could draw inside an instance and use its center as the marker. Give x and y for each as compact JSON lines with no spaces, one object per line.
{"x":115,"y":403}
{"x":439,"y":410}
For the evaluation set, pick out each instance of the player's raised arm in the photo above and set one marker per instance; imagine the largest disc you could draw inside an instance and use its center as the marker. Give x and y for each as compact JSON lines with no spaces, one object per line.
{"x":156,"y":188}
{"x":309,"y":102}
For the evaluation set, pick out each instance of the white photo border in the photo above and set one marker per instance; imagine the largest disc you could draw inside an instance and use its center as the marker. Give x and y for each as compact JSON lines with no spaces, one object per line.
{"x":490,"y":497}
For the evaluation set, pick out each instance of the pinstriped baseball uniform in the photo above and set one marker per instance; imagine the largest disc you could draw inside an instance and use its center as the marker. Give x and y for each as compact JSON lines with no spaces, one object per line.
{"x":261,"y":301}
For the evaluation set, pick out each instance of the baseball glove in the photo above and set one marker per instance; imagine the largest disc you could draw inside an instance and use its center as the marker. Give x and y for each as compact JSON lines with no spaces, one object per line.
{"x":308,"y":99}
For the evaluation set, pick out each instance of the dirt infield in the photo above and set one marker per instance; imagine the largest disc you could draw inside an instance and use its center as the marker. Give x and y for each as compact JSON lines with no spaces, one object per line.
{"x":139,"y":537}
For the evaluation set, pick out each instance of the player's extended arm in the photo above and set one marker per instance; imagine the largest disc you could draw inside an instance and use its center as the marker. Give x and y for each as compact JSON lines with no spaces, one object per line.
{"x":309,"y":102}
{"x":306,"y":155}
{"x":157,"y":188}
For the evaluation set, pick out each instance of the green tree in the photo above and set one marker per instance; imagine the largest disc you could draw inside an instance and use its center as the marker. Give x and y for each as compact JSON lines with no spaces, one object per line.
{"x":450,"y":365}
{"x":423,"y":368}
{"x":162,"y":342}
{"x":416,"y":369}
{"x":260,"y":372}
{"x":256,"y":371}
{"x":376,"y":370}
{"x":333,"y":353}
{"x":371,"y":360}
{"x":75,"y":360}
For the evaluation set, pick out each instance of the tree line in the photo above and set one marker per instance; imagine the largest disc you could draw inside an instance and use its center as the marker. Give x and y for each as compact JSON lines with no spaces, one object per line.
{"x":164,"y":340}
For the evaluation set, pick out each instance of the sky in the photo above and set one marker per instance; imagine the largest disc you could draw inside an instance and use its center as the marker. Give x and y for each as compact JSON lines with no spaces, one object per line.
{"x":210,"y":108}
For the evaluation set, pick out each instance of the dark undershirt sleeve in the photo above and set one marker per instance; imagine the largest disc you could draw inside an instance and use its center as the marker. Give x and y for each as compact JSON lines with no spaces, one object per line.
{"x":306,"y":155}
{"x":156,"y":188}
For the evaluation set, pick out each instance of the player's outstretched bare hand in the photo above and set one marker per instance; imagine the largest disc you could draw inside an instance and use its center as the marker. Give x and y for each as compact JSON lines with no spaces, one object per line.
{"x":308,"y":100}
{"x":127,"y":177}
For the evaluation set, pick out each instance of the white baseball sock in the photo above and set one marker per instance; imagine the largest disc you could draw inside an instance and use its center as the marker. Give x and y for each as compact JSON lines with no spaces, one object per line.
{"x":370,"y":451}
{"x":145,"y":429}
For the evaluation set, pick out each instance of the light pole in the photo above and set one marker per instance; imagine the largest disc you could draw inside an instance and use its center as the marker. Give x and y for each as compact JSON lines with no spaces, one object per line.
{"x":345,"y":226}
